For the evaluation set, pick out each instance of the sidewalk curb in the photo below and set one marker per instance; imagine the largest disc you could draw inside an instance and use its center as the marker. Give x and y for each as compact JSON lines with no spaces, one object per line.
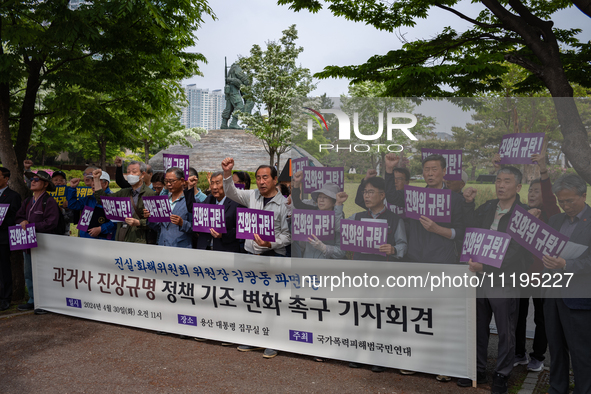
{"x":530,"y":382}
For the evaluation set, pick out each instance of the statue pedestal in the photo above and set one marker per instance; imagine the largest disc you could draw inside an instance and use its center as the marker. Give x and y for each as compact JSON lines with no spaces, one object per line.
{"x":207,"y":154}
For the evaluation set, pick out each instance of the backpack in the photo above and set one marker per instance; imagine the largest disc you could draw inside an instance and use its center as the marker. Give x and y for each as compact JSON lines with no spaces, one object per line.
{"x":60,"y":229}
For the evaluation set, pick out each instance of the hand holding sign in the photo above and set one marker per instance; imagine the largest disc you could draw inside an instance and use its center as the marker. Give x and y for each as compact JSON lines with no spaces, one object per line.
{"x":260,"y":242}
{"x":474,"y":266}
{"x":176,"y":219}
{"x":554,"y":263}
{"x":132,"y":222}
{"x":215,"y":234}
{"x":94,"y":232}
{"x":24,"y":224}
{"x":388,"y":249}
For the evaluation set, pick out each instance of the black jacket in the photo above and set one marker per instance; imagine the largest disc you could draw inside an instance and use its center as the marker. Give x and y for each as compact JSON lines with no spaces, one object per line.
{"x":12,"y":198}
{"x":425,"y":246}
{"x":517,"y":258}
{"x":228,"y":241}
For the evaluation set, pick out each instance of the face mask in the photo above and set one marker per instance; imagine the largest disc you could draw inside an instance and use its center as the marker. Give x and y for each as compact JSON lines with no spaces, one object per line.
{"x":133,"y":179}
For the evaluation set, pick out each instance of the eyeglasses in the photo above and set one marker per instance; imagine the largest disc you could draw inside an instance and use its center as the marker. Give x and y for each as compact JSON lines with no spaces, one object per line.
{"x":36,"y":180}
{"x":170,"y":181}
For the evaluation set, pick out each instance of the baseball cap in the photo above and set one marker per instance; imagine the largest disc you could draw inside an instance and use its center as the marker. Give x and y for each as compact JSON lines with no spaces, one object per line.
{"x":105,"y":177}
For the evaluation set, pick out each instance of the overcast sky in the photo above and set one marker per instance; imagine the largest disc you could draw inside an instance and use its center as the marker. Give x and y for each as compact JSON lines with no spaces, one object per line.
{"x":327,"y":40}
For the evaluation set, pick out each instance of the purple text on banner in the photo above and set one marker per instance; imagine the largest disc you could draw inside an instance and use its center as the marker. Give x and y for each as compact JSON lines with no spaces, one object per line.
{"x":22,"y":238}
{"x":239,"y":186}
{"x":85,"y":218}
{"x":3,"y":211}
{"x":255,"y":221}
{"x":453,"y":159}
{"x":188,"y":320}
{"x":117,"y":208}
{"x":299,"y":164}
{"x":180,"y":161}
{"x":485,"y":246}
{"x":316,"y":177}
{"x":301,"y":336}
{"x":206,"y":216}
{"x":396,"y":209}
{"x":363,"y":236}
{"x":535,"y":235}
{"x":308,"y":222}
{"x":159,"y":207}
{"x":432,"y":203}
{"x":518,"y":148}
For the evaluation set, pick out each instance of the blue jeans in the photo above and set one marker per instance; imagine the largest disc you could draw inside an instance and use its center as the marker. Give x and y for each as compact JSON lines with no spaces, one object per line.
{"x":29,"y":276}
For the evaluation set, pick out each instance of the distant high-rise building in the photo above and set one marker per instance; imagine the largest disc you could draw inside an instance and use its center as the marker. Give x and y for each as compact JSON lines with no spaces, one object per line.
{"x":204,"y":109}
{"x":217,"y":103}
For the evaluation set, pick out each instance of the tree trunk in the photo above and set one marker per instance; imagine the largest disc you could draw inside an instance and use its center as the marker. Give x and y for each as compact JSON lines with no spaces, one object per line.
{"x":146,"y":150}
{"x":278,"y":163}
{"x":27,"y":114}
{"x":103,"y":149}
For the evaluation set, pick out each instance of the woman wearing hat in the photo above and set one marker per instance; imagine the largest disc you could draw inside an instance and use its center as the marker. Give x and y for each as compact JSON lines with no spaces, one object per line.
{"x":325,"y":200}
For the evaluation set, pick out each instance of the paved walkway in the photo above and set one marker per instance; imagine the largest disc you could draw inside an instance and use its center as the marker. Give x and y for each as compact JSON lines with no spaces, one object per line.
{"x":55,"y":353}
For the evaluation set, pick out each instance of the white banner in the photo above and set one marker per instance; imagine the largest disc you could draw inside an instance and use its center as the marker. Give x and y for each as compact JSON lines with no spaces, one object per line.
{"x":254,"y":300}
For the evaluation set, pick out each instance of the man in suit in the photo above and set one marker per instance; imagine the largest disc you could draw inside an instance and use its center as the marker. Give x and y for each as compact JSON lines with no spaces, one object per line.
{"x":567,"y":309}
{"x":13,"y":200}
{"x":221,"y":242}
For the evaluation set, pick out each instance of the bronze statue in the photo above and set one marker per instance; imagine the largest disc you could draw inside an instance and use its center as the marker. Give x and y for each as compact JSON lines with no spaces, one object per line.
{"x":235,"y":79}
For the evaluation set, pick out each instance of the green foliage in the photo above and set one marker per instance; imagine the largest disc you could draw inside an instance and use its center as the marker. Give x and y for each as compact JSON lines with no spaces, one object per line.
{"x":277,"y":81}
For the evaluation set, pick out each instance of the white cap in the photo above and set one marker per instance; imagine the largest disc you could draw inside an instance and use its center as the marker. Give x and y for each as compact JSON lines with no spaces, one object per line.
{"x":105,"y":177}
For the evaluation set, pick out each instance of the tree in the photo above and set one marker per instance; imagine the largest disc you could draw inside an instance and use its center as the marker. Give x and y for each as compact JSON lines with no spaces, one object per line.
{"x":277,"y":82}
{"x":474,"y":61}
{"x":120,"y":50}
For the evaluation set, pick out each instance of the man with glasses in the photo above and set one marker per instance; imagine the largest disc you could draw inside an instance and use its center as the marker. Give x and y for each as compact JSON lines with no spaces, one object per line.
{"x":178,"y":231}
{"x":221,"y":242}
{"x":567,"y":307}
{"x":99,"y":227}
{"x":42,"y":210}
{"x":13,"y":200}
{"x":134,"y":229}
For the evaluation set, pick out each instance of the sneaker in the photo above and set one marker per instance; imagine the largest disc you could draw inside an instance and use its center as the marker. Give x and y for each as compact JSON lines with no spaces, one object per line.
{"x":480,"y":379}
{"x":520,"y":360}
{"x":443,"y":378}
{"x":269,"y":353}
{"x":354,"y":365}
{"x":535,"y":365}
{"x":377,"y":369}
{"x":244,"y":348}
{"x":499,"y":384}
{"x":26,"y":307}
{"x":406,"y":372}
{"x":40,"y":312}
{"x":4,"y":305}
{"x":227,"y":344}
{"x":199,"y":339}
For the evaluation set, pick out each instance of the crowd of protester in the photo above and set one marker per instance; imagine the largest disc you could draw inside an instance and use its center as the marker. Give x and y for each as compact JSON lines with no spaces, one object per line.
{"x":561,"y":321}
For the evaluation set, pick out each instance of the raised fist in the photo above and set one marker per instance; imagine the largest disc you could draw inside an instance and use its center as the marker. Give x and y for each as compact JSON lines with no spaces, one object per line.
{"x":192,"y":181}
{"x":74,"y":182}
{"x":228,"y":164}
{"x":28,"y":164}
{"x":96,"y":174}
{"x":297,"y":179}
{"x":535,"y":212}
{"x":392,"y":161}
{"x":470,"y":194}
{"x":118,"y":161}
{"x":370,"y":173}
{"x":496,"y":161}
{"x":341,"y":198}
